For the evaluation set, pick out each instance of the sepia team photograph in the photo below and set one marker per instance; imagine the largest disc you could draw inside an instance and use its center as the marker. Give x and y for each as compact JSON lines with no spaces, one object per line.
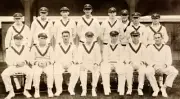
{"x":89,"y":49}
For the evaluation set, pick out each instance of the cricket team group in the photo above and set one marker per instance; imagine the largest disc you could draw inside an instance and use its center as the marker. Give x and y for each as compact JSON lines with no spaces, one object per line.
{"x":64,"y":46}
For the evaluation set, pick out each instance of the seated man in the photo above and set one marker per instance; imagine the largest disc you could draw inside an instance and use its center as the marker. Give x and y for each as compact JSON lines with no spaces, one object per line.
{"x":42,"y":60}
{"x":160,"y":61}
{"x":65,"y":55}
{"x":136,"y":57}
{"x":113,"y":59}
{"x":90,"y":57}
{"x":16,"y":59}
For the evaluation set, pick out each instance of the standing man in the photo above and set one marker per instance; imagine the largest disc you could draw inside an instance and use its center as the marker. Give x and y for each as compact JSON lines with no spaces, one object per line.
{"x":16,"y":59}
{"x":42,"y":60}
{"x":160,"y":61}
{"x":113,"y":59}
{"x":66,"y":60}
{"x":126,"y":22}
{"x":65,"y":24}
{"x":88,"y":23}
{"x":90,"y":57}
{"x":42,"y":25}
{"x":138,"y":27}
{"x":111,"y":24}
{"x":18,"y":28}
{"x":136,"y":59}
{"x":156,"y":27}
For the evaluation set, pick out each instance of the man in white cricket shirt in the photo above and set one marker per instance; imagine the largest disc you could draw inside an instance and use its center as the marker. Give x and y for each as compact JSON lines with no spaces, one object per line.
{"x":160,"y":61}
{"x":42,"y":61}
{"x":90,"y":57}
{"x":113,"y":59}
{"x":66,"y":60}
{"x":17,"y":59}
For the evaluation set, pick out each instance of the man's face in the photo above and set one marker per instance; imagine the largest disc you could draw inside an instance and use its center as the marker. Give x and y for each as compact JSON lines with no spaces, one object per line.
{"x":18,"y":20}
{"x":158,"y":39}
{"x":112,"y":14}
{"x":114,"y":38}
{"x":155,"y":21}
{"x":42,"y":41}
{"x":135,"y":20}
{"x":87,"y":11}
{"x":89,"y":39}
{"x":64,"y":14}
{"x":124,"y":17}
{"x":18,"y":42}
{"x":43,"y":14}
{"x":65,"y":37}
{"x":135,"y":39}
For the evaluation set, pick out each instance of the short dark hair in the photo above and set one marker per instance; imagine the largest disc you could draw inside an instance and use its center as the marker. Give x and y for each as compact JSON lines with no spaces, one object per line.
{"x":159,"y":34}
{"x":66,"y":32}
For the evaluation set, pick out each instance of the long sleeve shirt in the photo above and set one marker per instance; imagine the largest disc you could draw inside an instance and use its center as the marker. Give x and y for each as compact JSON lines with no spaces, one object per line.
{"x":40,"y":26}
{"x":65,"y":53}
{"x":84,"y":25}
{"x":89,"y":53}
{"x":141,"y":29}
{"x":13,"y":30}
{"x":17,"y":54}
{"x":136,"y":53}
{"x":152,"y":29}
{"x":61,"y":26}
{"x":159,"y":55}
{"x":113,"y":53}
{"x":45,"y":53}
{"x":108,"y":26}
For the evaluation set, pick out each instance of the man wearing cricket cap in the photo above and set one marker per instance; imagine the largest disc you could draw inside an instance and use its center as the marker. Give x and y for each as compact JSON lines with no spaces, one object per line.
{"x":137,"y":26}
{"x":17,"y":56}
{"x":42,"y":24}
{"x":88,"y":23}
{"x":136,"y":60}
{"x":126,"y":22}
{"x":18,"y":28}
{"x":65,"y":24}
{"x":111,"y":24}
{"x":42,"y":60}
{"x":113,"y":59}
{"x":156,"y":27}
{"x":89,"y":59}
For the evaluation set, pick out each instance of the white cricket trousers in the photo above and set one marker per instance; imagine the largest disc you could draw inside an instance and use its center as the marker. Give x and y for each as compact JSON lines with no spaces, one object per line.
{"x":48,"y":70}
{"x":11,"y":70}
{"x":83,"y":75}
{"x":58,"y":75}
{"x":105,"y":73}
{"x":170,"y":71}
{"x":141,"y":74}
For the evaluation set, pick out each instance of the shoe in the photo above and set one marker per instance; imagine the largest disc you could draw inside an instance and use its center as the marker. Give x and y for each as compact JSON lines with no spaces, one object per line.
{"x":106,"y":93}
{"x":94,"y":92}
{"x":140,"y":92}
{"x":155,"y":93}
{"x":10,"y":95}
{"x":121,"y":93}
{"x":164,"y":93}
{"x":129,"y":92}
{"x":58,"y":93}
{"x":36,"y":94}
{"x":27,"y":94}
{"x":71,"y":91}
{"x":83,"y":93}
{"x":50,"y":93}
